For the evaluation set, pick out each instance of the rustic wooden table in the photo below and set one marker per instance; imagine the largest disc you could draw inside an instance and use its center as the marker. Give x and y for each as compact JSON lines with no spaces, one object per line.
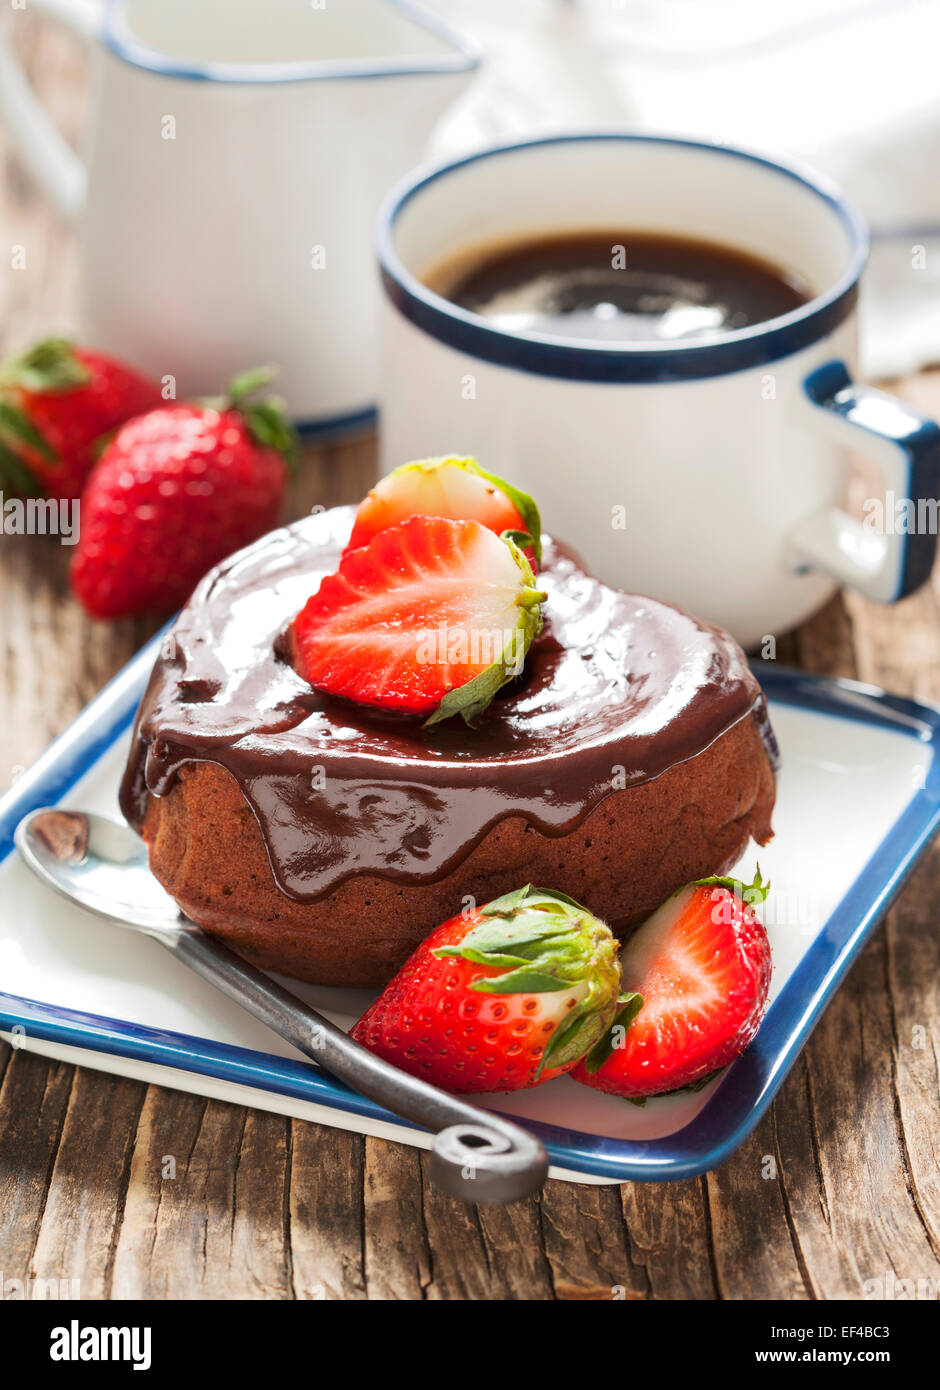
{"x":269,"y":1207}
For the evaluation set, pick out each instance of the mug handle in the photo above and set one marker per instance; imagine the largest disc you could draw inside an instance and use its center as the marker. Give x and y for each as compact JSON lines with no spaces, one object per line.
{"x":49,"y":158}
{"x":905,"y":446}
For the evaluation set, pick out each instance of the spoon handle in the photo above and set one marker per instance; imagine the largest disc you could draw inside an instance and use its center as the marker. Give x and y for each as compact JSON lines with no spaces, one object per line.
{"x":476,"y":1155}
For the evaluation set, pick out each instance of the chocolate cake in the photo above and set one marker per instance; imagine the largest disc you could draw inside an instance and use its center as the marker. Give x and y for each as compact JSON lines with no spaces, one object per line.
{"x":325,"y":839}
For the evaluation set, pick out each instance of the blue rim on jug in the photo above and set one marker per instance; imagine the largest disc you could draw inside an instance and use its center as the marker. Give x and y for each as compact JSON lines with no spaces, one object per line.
{"x":118,"y":36}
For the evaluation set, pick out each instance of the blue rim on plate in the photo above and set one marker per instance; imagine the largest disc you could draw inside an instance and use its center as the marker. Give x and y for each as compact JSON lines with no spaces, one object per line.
{"x":576,"y":360}
{"x":749,"y":1085}
{"x":464,"y":55}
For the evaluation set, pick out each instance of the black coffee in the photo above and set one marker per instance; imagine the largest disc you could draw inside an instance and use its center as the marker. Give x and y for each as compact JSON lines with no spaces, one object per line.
{"x":618,"y":287}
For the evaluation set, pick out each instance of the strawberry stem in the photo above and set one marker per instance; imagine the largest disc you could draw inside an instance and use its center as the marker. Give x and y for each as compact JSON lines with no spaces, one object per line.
{"x":546,"y":942}
{"x":749,"y":893}
{"x":628,"y":1006}
{"x":471,"y":699}
{"x":531,"y":598}
{"x":247,"y":382}
{"x":49,"y":365}
{"x":266,"y":421}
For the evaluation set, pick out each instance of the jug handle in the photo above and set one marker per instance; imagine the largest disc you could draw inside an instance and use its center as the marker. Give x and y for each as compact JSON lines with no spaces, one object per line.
{"x":48,"y":157}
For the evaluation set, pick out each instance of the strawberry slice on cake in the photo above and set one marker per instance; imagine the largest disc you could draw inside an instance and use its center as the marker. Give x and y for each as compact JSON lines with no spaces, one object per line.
{"x":432,"y":617}
{"x":457,"y":488}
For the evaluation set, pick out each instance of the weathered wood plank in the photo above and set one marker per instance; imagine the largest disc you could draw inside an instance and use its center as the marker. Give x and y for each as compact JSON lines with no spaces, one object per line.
{"x":586,"y":1246}
{"x":483,"y":1252}
{"x":396,"y":1251}
{"x":205,"y":1214}
{"x":34,"y":1096}
{"x":326,"y":1213}
{"x":853,"y":1217}
{"x":753,"y":1254}
{"x":515,"y":1258}
{"x":77,"y":1236}
{"x":668,"y":1229}
{"x":913,"y":968}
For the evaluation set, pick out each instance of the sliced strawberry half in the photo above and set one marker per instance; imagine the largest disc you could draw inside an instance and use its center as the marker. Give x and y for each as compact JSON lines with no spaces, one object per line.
{"x":449,"y":487}
{"x":430,"y":618}
{"x":695,"y":977}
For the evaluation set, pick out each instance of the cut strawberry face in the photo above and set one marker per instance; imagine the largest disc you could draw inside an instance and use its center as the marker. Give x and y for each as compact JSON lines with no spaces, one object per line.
{"x":430,"y":618}
{"x":695,"y":977}
{"x":500,"y":997}
{"x":457,"y":488}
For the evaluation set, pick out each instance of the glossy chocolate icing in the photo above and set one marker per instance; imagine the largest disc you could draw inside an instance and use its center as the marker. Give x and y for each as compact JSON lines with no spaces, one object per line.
{"x":616,"y":690}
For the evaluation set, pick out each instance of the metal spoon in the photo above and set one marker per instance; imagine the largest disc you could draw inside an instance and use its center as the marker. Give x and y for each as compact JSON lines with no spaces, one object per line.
{"x":102,"y":867}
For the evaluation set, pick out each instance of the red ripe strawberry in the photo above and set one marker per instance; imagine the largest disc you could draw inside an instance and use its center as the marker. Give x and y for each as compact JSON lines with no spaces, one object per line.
{"x":499,"y":998}
{"x":695,"y":977}
{"x":174,"y":493}
{"x":449,"y":487}
{"x":57,"y":403}
{"x":431,"y":617}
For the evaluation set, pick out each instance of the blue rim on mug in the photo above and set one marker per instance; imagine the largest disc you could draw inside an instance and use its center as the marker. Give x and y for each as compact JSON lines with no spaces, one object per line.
{"x":118,"y":37}
{"x":577,"y":360}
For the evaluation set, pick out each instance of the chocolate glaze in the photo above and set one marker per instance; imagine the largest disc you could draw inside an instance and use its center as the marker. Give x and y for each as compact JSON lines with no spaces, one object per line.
{"x":616,"y":690}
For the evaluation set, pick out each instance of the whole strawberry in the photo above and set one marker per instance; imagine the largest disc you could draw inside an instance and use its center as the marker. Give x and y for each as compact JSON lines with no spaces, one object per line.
{"x":695,"y":978}
{"x":174,"y":493}
{"x":501,"y":997}
{"x":58,"y":402}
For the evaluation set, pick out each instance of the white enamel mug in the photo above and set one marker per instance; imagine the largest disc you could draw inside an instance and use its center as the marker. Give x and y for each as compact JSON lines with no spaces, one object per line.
{"x":236,"y":153}
{"x":714,"y":473}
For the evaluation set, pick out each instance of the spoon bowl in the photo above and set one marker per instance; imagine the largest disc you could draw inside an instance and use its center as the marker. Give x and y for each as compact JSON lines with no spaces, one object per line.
{"x":101,"y":866}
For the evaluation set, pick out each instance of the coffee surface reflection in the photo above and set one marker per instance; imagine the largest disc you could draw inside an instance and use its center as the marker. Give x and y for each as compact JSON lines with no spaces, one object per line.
{"x":617,"y":287}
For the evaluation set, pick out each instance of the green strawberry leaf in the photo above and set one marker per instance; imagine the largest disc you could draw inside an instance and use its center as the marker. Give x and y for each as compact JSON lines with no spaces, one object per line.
{"x":471,"y":699}
{"x":628,"y":1006}
{"x":544,"y":898}
{"x":270,"y":427}
{"x":576,"y":1035}
{"x":692,"y":1087}
{"x":750,"y":893}
{"x":18,"y":427}
{"x":50,"y":365}
{"x":246,"y":383}
{"x":545,"y":942}
{"x":522,"y":981}
{"x":525,"y":505}
{"x":520,"y":538}
{"x":266,"y":421}
{"x":507,"y":904}
{"x":520,"y":936}
{"x":13,"y":469}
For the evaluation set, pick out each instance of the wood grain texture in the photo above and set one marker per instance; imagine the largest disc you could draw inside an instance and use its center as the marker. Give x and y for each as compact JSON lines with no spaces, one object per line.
{"x":143,"y":1192}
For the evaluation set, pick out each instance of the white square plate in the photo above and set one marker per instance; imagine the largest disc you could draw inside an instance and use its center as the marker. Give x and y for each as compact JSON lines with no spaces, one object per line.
{"x":859,"y":799}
